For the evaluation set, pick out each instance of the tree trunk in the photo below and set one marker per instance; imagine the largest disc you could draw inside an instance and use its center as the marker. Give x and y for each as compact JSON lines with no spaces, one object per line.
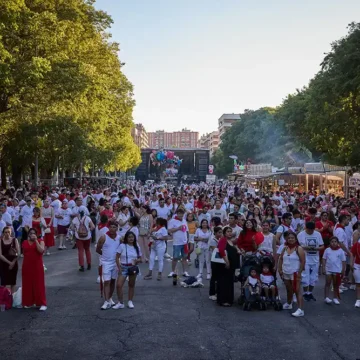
{"x":3,"y":174}
{"x":16,"y":175}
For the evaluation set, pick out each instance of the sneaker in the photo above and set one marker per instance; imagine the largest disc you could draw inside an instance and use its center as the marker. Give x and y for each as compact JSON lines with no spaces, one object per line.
{"x":48,"y":253}
{"x":311,"y":297}
{"x":171,"y":274}
{"x":213,"y":297}
{"x":186,"y":274}
{"x":298,"y":313}
{"x":43,"y":308}
{"x":352,"y":287}
{"x":306,"y":297}
{"x":294,"y":298}
{"x":336,"y":301}
{"x":167,"y":256}
{"x":130,"y":304}
{"x":148,"y":277}
{"x":106,"y":305}
{"x":118,"y":306}
{"x":357,"y":304}
{"x":45,"y":268}
{"x":64,"y":247}
{"x":328,"y":300}
{"x":208,"y":276}
{"x":343,"y":288}
{"x":98,"y":280}
{"x":111,"y":301}
{"x":287,"y":306}
{"x":81,"y":268}
{"x":199,"y":276}
{"x":60,"y":248}
{"x":156,"y":258}
{"x":89,"y":267}
{"x":341,"y":291}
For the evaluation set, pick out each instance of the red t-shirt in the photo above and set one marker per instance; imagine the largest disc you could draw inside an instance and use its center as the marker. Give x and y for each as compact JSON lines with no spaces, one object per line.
{"x":325,"y":234}
{"x":355,"y":250}
{"x":245,"y":241}
{"x":108,"y":212}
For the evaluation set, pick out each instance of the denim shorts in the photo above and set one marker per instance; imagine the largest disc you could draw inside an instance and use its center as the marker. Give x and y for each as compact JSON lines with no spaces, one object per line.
{"x":179,"y":252}
{"x":124,"y":269}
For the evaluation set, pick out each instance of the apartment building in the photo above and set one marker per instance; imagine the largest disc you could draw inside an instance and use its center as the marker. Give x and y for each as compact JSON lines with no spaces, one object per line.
{"x":178,"y":139}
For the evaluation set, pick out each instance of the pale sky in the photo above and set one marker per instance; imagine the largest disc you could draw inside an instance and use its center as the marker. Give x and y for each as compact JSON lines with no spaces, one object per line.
{"x":192,"y":60}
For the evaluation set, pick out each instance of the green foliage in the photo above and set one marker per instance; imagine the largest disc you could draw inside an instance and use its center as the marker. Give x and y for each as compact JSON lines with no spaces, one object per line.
{"x":325,"y":115}
{"x":62,"y":92}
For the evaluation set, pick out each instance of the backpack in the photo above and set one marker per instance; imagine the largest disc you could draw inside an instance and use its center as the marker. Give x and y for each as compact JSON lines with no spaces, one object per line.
{"x":83,"y":232}
{"x":6,"y":297}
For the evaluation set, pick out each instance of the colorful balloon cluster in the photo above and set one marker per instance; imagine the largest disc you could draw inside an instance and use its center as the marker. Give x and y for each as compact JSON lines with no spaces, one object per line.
{"x":161,"y":157}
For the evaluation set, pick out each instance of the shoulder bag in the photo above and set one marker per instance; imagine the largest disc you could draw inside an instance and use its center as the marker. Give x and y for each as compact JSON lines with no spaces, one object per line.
{"x":132,"y":270}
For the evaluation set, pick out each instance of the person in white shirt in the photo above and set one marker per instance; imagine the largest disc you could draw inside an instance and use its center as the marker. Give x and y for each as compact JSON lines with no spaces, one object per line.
{"x":189,"y":207}
{"x":123,"y":220}
{"x":339,"y":232}
{"x":177,"y":227}
{"x":25,"y":218}
{"x":283,"y":228}
{"x":71,"y":203}
{"x":312,"y":242}
{"x":218,"y":212}
{"x":202,"y":237}
{"x":107,"y":247}
{"x":99,"y":195}
{"x":158,"y":247}
{"x":204,"y":214}
{"x":63,"y":219}
{"x":78,"y":205}
{"x":83,"y":228}
{"x":236,"y":229}
{"x":162,"y":210}
{"x":334,"y":265}
{"x":128,"y":255}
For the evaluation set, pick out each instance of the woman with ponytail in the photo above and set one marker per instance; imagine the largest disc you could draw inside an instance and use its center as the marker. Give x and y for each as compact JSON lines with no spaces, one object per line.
{"x":291,"y":265}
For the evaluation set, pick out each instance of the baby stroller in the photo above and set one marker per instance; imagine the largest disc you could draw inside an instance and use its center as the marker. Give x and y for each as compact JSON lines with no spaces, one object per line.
{"x":268,"y":260}
{"x":247,"y":300}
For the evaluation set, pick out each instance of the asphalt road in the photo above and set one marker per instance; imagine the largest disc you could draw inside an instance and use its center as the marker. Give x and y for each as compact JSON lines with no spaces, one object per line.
{"x":169,"y":323}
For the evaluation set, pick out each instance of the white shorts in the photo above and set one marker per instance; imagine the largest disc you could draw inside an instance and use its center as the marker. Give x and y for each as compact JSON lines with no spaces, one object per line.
{"x":191,"y":238}
{"x":357,"y":273}
{"x":109,"y":271}
{"x":310,"y":275}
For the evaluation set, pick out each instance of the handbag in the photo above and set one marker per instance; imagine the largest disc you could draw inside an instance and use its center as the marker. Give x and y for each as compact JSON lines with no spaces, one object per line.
{"x":12,"y":250}
{"x":132,"y":270}
{"x":216,"y":258}
{"x":47,"y":231}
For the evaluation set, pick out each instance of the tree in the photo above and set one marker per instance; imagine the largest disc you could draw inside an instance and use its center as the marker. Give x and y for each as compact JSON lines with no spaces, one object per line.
{"x":325,"y":115}
{"x":63,"y":95}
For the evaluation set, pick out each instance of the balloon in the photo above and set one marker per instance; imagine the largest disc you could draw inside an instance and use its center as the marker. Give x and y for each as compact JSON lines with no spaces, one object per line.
{"x":158,"y":156}
{"x":179,"y":162}
{"x":259,"y":238}
{"x":170,"y":154}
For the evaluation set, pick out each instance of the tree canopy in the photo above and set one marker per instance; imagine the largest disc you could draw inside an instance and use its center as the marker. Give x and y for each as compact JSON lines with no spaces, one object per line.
{"x":320,"y":121}
{"x":63,"y":95}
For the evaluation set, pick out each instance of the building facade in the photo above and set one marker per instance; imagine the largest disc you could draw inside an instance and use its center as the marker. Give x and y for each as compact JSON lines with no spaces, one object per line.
{"x":178,"y":139}
{"x":210,"y":141}
{"x":140,"y":136}
{"x":225,"y":122}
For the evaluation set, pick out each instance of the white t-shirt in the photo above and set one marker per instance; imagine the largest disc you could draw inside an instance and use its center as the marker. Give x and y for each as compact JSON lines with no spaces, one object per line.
{"x":132,"y":255}
{"x":314,"y":240}
{"x":65,"y":213}
{"x":203,"y":216}
{"x":7,"y":218}
{"x":334,"y":259}
{"x":203,"y":235}
{"x":340,"y":233}
{"x":267,"y":279}
{"x":162,"y":232}
{"x":26,"y":212}
{"x":71,"y":204}
{"x":76,"y":210}
{"x":56,"y":204}
{"x":282,"y":229}
{"x":179,"y":237}
{"x":189,"y":207}
{"x":218,"y":213}
{"x":109,"y":249}
{"x":154,"y":205}
{"x":163,"y":212}
{"x":86,"y":222}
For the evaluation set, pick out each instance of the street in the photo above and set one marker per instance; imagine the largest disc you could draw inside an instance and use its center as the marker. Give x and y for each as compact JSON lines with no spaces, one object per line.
{"x":169,"y":322}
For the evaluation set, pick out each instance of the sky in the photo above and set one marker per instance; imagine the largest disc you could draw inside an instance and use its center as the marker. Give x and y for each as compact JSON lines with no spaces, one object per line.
{"x":191,"y":61}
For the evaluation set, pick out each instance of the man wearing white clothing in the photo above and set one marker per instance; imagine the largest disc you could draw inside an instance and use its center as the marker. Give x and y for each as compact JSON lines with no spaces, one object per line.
{"x":107,"y":247}
{"x":177,"y":227}
{"x":162,"y":210}
{"x":312,"y":242}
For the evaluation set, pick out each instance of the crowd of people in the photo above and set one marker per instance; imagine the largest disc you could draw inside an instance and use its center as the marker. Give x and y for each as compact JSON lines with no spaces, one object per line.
{"x":213,"y":228}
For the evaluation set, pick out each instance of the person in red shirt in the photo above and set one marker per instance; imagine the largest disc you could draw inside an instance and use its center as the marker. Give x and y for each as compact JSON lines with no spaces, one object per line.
{"x":107,"y":211}
{"x":325,"y":228}
{"x":246,"y":241}
{"x":355,"y":267}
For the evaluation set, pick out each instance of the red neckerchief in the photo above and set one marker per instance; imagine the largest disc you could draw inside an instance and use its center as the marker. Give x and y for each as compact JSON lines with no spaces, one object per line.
{"x":158,"y":227}
{"x":109,"y":235}
{"x":255,"y":277}
{"x":46,"y":206}
{"x":176,"y":218}
{"x":63,"y":207}
{"x":266,"y":274}
{"x":335,"y":248}
{"x":339,"y":226}
{"x":292,"y":246}
{"x":101,"y":226}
